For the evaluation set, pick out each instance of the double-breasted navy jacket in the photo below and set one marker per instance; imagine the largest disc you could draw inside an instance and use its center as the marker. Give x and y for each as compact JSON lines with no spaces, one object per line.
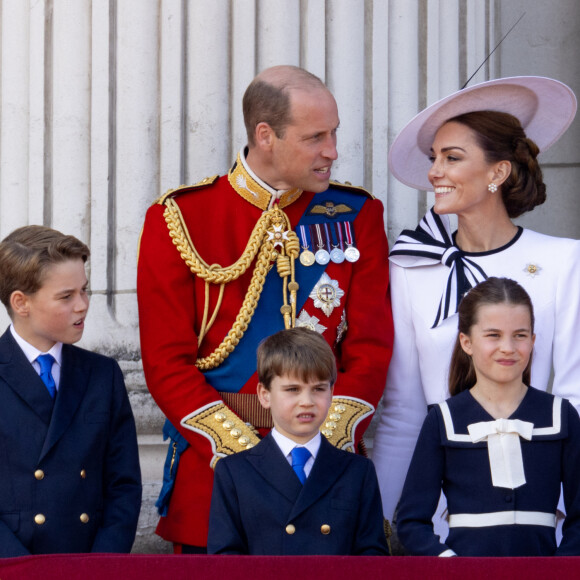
{"x":259,"y":506}
{"x":69,"y":478}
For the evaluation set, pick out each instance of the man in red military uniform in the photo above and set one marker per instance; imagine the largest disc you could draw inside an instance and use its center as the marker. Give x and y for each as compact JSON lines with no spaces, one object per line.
{"x":233,"y":259}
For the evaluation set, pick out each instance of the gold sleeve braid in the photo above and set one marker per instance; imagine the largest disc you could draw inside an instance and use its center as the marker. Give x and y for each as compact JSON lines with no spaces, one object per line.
{"x":344,"y":415}
{"x":272,"y":229}
{"x":226,"y":432}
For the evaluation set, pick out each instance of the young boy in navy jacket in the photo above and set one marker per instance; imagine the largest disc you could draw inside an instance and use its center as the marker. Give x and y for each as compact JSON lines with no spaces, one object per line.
{"x":70,"y":478}
{"x":294,"y":493}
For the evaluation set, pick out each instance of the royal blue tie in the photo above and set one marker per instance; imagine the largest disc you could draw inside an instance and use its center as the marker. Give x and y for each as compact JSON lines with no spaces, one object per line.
{"x":300,"y":455}
{"x":45,"y":361}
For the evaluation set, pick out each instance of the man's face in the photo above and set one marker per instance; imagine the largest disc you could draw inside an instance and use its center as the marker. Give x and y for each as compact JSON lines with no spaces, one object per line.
{"x":303,"y":157}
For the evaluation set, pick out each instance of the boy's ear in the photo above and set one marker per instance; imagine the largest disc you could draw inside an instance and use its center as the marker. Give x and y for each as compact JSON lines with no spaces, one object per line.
{"x":263,"y":395}
{"x":19,"y":303}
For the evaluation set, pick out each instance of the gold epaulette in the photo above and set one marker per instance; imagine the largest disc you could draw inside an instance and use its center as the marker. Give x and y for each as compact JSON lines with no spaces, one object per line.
{"x":347,"y":186}
{"x":226,"y":432}
{"x":344,"y":415}
{"x":183,"y":188}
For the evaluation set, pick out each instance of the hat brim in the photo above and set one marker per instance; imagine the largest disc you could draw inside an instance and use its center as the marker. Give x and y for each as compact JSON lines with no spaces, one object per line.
{"x":544,"y":106}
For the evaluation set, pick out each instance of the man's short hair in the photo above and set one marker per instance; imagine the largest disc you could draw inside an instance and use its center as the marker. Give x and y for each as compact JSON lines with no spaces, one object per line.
{"x":297,"y":352}
{"x":27,"y":252}
{"x":267,"y":98}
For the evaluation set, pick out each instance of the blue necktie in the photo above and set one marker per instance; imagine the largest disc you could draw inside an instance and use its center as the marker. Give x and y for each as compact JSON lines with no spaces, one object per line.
{"x":300,"y":455}
{"x":45,"y":361}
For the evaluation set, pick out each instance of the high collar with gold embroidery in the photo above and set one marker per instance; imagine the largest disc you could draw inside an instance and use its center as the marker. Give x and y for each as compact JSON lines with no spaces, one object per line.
{"x":252,"y":189}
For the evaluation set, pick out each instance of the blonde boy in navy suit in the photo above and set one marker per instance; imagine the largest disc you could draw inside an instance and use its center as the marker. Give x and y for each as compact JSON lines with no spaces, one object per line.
{"x":70,"y":478}
{"x":272,"y":500}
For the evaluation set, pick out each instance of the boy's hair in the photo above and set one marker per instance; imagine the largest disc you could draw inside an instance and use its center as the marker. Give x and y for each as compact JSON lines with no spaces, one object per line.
{"x":298,"y":352}
{"x":492,"y":291}
{"x":27,"y":252}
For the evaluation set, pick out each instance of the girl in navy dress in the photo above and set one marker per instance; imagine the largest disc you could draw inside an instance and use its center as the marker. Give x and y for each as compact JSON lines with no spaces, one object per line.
{"x":498,"y":448}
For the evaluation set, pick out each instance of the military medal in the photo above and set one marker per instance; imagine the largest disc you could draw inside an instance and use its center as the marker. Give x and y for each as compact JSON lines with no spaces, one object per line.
{"x":337,"y":254}
{"x":322,"y":256}
{"x":306,"y":256}
{"x":351,"y":253}
{"x":310,"y":322}
{"x":326,"y":294}
{"x":278,"y":235}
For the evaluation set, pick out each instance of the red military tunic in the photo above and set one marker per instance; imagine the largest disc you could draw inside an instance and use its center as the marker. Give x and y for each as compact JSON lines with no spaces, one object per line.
{"x":220,"y":220}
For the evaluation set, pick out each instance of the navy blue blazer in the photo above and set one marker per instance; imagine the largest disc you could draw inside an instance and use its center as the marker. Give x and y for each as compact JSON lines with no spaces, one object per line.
{"x":69,"y":478}
{"x":259,"y":507}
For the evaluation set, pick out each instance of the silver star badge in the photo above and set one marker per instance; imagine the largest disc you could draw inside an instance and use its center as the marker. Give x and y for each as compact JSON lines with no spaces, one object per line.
{"x":310,"y":322}
{"x":326,"y":294}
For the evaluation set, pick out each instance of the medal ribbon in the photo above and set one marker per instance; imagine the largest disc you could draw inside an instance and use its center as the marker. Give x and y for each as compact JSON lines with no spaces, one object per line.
{"x":338,"y":227}
{"x":329,"y":243}
{"x":349,"y":234}
{"x":304,"y":237}
{"x":321,"y":243}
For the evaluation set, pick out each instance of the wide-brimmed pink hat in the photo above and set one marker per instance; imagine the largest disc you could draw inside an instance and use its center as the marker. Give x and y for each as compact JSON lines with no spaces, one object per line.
{"x":544,"y":106}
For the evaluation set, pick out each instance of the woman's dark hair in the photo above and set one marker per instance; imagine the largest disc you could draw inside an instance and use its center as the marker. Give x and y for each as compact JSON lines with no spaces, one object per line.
{"x":502,"y":138}
{"x":493,"y":291}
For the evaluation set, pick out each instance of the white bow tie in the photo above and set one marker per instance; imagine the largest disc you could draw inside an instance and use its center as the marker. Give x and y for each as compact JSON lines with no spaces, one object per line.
{"x":504,"y":449}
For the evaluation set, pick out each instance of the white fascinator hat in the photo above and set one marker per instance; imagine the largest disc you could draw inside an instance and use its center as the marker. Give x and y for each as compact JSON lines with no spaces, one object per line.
{"x":545,"y":108}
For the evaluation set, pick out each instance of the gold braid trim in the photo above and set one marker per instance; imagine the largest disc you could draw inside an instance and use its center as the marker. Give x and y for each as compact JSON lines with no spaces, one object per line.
{"x":245,"y":314}
{"x":227,"y":433}
{"x":272,"y":229}
{"x":213,"y":274}
{"x":344,"y":415}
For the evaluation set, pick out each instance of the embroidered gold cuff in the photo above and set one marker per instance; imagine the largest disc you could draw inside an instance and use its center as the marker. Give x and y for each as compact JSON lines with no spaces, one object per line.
{"x":226,"y":432}
{"x":344,"y":415}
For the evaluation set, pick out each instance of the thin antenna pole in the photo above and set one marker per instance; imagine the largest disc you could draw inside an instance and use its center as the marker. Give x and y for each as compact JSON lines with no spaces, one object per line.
{"x":496,"y":47}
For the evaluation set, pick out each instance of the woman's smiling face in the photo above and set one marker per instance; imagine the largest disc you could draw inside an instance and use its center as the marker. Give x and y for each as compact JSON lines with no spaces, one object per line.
{"x":460,"y":173}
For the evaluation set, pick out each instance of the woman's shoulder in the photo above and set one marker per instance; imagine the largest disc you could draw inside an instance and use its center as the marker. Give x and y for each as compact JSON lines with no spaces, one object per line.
{"x":540,"y":257}
{"x":547,"y":241}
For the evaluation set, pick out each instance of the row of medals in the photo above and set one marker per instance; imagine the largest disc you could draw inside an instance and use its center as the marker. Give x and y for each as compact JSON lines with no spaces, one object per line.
{"x":323,"y":256}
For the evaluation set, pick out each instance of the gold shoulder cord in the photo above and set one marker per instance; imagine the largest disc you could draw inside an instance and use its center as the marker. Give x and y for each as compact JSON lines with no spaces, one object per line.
{"x":272,"y":230}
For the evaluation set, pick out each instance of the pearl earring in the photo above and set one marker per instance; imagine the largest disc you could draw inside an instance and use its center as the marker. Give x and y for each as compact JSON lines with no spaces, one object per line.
{"x":492,"y":188}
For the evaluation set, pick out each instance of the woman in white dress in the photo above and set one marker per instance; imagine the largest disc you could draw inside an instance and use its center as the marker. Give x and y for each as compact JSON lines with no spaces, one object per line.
{"x":477,"y":150}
